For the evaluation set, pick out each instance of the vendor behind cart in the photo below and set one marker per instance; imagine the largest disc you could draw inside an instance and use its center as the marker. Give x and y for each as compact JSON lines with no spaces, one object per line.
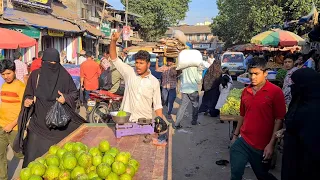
{"x":142,"y":88}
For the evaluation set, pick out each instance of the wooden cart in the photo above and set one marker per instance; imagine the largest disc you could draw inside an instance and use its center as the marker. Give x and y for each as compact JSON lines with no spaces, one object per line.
{"x":155,"y":161}
{"x":230,"y":118}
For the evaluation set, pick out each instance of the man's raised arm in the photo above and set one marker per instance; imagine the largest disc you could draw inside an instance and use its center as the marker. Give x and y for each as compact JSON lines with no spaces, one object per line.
{"x":124,"y":69}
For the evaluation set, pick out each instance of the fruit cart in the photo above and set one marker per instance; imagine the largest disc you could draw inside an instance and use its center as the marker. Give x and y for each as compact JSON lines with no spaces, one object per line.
{"x":230,"y":118}
{"x":155,"y":161}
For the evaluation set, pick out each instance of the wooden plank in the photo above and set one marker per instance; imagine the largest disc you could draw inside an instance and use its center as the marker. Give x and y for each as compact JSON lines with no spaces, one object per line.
{"x":169,"y":175}
{"x":154,"y":162}
{"x":229,"y":118}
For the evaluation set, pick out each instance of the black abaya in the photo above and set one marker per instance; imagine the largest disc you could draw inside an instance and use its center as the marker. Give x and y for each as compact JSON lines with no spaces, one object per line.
{"x":52,"y":78}
{"x":301,"y":153}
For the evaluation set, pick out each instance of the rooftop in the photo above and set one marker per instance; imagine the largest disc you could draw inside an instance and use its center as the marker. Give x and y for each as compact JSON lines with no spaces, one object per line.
{"x":187,"y":29}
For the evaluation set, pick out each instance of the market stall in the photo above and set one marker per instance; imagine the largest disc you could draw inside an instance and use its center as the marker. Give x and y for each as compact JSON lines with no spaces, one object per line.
{"x":155,"y":161}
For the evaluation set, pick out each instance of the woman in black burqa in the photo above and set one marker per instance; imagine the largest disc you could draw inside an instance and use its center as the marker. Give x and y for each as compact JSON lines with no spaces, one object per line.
{"x":301,"y":151}
{"x":44,"y":84}
{"x":210,"y":86}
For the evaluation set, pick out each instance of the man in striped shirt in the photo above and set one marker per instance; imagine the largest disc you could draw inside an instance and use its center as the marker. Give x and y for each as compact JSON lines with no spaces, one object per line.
{"x":11,"y":98}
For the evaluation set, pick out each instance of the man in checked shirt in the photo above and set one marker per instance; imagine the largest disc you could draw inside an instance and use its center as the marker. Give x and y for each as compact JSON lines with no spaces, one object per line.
{"x":169,"y":83}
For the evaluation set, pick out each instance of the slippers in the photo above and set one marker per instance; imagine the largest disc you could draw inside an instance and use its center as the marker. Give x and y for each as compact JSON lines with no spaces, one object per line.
{"x":222,"y":162}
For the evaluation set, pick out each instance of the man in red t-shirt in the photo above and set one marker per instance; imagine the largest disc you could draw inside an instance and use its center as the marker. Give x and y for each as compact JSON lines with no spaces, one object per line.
{"x":36,"y":64}
{"x":262,"y":110}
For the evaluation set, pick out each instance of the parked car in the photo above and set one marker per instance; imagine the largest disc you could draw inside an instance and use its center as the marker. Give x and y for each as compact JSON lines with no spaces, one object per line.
{"x":234,"y":62}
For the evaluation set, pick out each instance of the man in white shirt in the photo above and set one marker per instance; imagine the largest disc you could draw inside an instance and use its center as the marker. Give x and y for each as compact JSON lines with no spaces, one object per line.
{"x":21,"y":68}
{"x":142,"y":94}
{"x":82,"y":57}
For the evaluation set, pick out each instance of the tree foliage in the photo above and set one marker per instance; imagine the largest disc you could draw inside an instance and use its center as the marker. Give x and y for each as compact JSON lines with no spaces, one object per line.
{"x":157,"y":15}
{"x":239,"y":20}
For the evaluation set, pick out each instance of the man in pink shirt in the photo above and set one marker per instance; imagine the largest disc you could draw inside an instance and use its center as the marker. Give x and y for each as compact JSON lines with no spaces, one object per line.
{"x":21,"y":68}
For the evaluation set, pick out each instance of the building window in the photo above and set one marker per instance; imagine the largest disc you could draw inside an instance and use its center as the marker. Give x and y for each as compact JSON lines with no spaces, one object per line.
{"x":198,"y":37}
{"x":190,"y":37}
{"x":84,"y":13}
{"x":206,"y":37}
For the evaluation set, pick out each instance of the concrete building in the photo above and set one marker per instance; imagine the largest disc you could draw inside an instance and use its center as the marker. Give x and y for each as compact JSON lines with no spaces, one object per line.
{"x":201,"y":37}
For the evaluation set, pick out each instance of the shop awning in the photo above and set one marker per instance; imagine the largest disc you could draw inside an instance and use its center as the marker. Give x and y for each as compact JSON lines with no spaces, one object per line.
{"x":67,"y":14}
{"x":44,"y":20}
{"x":6,"y":22}
{"x":104,"y":41}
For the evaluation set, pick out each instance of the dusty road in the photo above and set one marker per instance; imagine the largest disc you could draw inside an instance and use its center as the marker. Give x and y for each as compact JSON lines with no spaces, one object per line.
{"x":195,"y":151}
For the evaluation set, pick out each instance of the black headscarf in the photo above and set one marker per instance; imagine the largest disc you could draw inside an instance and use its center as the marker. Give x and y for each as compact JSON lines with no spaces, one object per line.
{"x":212,"y":77}
{"x":306,"y":83}
{"x":51,"y":75}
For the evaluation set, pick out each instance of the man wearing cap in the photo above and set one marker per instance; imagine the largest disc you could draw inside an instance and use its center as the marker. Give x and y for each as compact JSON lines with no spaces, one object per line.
{"x":82,"y":57}
{"x":89,"y":75}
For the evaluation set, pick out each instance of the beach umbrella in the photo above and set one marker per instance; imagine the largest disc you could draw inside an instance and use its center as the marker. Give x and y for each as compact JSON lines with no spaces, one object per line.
{"x":278,"y":38}
{"x":13,"y":40}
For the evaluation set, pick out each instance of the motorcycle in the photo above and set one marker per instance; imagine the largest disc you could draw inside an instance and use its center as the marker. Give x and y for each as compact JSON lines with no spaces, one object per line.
{"x":100,"y":104}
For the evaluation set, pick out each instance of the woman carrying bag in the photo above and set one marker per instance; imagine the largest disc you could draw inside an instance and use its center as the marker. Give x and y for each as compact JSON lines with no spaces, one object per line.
{"x":45,"y":86}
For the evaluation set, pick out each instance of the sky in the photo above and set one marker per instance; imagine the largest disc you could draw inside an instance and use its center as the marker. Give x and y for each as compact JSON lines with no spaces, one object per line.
{"x":199,"y":10}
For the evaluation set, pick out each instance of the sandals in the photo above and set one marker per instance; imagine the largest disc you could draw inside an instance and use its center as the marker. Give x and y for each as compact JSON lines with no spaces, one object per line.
{"x":222,"y":162}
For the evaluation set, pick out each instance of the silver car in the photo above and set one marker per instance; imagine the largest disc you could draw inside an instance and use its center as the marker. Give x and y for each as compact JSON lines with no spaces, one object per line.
{"x":234,"y":62}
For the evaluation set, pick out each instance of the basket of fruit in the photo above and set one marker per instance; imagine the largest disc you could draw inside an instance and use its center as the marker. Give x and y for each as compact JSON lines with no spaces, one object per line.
{"x":120,"y":117}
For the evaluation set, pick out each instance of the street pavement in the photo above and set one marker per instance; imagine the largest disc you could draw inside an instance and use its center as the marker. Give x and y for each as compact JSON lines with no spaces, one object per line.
{"x":195,"y":150}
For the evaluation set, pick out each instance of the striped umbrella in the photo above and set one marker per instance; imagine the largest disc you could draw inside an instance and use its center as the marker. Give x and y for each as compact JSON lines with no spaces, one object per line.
{"x":277,"y":38}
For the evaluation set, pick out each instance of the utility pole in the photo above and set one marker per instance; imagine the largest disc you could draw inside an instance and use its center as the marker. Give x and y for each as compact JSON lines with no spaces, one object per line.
{"x":127,"y":7}
{"x":101,"y":21}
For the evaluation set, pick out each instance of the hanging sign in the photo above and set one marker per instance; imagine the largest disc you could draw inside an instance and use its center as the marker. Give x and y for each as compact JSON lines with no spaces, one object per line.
{"x":106,"y":29}
{"x":126,"y":33}
{"x":45,"y":4}
{"x":55,"y":33}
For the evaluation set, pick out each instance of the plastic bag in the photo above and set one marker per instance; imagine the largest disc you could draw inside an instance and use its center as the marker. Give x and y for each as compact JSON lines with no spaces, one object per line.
{"x":180,"y":36}
{"x":189,"y":58}
{"x":57,"y":116}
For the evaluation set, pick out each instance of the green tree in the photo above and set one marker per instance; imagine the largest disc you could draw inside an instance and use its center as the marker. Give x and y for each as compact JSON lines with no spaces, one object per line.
{"x":157,"y":15}
{"x":239,"y":20}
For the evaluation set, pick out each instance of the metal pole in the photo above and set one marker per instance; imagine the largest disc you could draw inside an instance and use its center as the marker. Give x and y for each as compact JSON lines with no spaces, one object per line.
{"x":101,"y":20}
{"x":127,"y":7}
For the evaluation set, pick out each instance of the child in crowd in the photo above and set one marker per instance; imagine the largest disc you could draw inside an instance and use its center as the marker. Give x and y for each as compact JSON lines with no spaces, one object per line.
{"x":225,"y":88}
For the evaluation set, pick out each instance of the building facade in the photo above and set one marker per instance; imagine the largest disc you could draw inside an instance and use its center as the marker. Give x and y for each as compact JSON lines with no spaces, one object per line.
{"x":201,"y":36}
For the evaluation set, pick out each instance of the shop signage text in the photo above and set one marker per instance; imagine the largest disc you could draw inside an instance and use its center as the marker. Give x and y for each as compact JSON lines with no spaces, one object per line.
{"x":45,"y":4}
{"x":29,"y":31}
{"x":201,"y":46}
{"x":55,"y":33}
{"x":106,"y":29}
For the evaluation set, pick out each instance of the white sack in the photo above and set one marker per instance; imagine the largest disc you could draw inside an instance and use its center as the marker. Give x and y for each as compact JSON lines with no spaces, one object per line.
{"x":189,"y":58}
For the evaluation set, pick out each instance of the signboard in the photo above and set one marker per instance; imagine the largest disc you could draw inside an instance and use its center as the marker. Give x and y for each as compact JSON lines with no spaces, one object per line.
{"x":201,"y":46}
{"x":45,"y":4}
{"x":29,"y":31}
{"x":126,"y":33}
{"x":106,"y":29}
{"x":55,"y":33}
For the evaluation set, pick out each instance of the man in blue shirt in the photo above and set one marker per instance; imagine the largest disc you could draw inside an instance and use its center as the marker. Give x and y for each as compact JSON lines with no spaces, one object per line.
{"x":190,"y":80}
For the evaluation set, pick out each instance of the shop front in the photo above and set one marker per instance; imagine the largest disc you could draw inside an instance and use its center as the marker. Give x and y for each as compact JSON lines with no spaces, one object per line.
{"x":67,"y":43}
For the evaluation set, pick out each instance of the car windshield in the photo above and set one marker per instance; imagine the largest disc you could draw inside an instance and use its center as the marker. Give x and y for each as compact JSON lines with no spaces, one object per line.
{"x":234,"y":58}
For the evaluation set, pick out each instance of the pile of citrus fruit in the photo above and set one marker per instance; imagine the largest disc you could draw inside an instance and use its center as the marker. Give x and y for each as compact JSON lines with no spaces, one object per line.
{"x":75,"y":161}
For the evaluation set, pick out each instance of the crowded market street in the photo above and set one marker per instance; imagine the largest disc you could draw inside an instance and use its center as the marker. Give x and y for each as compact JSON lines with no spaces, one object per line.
{"x":195,"y":151}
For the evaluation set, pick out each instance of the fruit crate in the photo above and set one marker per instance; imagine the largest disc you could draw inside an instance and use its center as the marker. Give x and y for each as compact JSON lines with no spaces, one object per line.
{"x":155,"y":161}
